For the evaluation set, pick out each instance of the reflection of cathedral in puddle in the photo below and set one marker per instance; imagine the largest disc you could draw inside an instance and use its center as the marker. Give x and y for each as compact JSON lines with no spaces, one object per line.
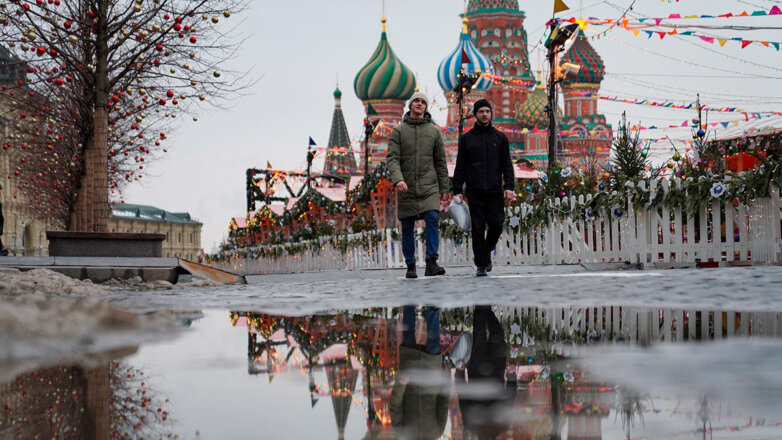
{"x":359,"y":353}
{"x":340,"y":345}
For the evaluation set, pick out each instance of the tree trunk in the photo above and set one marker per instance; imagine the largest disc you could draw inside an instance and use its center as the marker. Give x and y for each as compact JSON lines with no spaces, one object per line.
{"x":92,"y":204}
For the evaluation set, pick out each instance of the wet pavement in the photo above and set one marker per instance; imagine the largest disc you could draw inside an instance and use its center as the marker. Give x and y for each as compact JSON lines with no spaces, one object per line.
{"x":556,"y":352}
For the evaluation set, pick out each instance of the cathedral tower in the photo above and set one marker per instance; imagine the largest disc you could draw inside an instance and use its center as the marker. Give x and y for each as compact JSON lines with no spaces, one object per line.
{"x":497,"y":29}
{"x":339,"y":154}
{"x":385,"y":84}
{"x":586,"y":130}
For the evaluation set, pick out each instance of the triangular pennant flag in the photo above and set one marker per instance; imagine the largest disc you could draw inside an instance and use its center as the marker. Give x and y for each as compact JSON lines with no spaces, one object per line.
{"x":674,"y":16}
{"x":775,"y":11}
{"x":706,"y":39}
{"x":635,"y":32}
{"x":686,"y":33}
{"x":756,"y":13}
{"x":624,"y":23}
{"x":268,"y":165}
{"x":673,"y":32}
{"x":649,"y":34}
{"x":371,"y":110}
{"x":776,"y":45}
{"x":725,"y":124}
{"x":312,"y":143}
{"x":743,"y":14}
{"x":722,"y":41}
{"x":661,"y":34}
{"x":560,"y":6}
{"x":465,"y":58}
{"x":765,"y":43}
{"x":745,"y":43}
{"x":657,"y":21}
{"x":684,"y":124}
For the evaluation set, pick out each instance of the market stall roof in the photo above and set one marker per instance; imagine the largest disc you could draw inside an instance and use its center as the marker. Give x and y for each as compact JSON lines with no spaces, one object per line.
{"x":333,"y":194}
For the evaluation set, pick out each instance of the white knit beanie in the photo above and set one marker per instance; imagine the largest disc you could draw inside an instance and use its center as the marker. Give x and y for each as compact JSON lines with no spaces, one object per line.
{"x":419,"y":95}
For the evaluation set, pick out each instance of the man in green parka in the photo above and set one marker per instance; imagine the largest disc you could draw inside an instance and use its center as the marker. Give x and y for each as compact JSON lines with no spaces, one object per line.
{"x":418,"y":170}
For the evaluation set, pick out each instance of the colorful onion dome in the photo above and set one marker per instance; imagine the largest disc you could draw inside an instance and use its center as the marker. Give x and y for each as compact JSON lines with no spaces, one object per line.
{"x":584,"y":54}
{"x":337,"y":93}
{"x":384,"y":76}
{"x":449,"y":67}
{"x":477,"y":5}
{"x":532,"y":113}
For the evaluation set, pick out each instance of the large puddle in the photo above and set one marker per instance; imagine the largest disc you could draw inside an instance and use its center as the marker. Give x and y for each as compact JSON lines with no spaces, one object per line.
{"x":533,"y":372}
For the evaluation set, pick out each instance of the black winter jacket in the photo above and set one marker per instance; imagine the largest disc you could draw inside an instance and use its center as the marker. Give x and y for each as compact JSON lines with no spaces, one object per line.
{"x":483,"y":161}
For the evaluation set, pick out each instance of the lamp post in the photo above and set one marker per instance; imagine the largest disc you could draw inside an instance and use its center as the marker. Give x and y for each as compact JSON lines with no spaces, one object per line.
{"x":464,"y":83}
{"x":555,"y":44}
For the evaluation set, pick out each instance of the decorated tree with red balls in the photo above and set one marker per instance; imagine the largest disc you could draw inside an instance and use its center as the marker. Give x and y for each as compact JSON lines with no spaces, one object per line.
{"x":91,"y":90}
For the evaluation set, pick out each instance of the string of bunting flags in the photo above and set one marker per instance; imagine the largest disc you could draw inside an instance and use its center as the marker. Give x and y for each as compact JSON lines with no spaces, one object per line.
{"x":775,"y":10}
{"x":671,"y":104}
{"x":636,"y":26}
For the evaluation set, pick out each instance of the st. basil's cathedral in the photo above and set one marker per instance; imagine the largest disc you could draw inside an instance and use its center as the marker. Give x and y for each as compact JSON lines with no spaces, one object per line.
{"x":493,"y":38}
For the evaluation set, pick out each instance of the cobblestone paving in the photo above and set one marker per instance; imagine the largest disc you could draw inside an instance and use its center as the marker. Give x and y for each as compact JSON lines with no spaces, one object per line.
{"x":740,"y":288}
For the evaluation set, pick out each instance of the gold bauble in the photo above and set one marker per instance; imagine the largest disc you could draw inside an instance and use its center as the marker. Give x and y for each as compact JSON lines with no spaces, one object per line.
{"x":226,"y":13}
{"x":136,"y":8}
{"x":215,"y":19}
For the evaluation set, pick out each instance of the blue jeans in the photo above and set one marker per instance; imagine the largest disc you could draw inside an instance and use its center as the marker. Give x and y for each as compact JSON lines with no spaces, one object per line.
{"x":432,"y":219}
{"x":432,"y":328}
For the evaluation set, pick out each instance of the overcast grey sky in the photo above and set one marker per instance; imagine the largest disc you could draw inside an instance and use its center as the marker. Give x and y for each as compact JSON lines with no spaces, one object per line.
{"x":300,"y":47}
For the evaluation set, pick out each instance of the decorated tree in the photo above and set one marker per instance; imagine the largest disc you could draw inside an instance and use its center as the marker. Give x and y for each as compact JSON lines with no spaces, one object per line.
{"x":91,"y":88}
{"x":629,"y":162}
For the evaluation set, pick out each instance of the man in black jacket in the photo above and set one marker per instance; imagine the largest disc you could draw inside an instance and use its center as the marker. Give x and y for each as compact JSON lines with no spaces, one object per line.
{"x":484,"y":167}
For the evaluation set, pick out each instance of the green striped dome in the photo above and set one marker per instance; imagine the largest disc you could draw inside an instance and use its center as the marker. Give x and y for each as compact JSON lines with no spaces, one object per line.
{"x":532,"y":113}
{"x":384,"y":76}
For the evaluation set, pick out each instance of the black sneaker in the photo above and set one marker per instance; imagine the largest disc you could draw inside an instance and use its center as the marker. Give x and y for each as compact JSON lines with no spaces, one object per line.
{"x":480,"y":272}
{"x":432,"y":269}
{"x":411,"y":271}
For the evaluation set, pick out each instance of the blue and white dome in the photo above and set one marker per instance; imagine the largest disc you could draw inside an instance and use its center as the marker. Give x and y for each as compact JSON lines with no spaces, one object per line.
{"x":449,"y":67}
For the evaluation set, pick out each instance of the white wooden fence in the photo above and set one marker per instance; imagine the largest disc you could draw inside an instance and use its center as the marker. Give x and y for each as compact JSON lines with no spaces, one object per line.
{"x":718,"y":232}
{"x":640,"y":324}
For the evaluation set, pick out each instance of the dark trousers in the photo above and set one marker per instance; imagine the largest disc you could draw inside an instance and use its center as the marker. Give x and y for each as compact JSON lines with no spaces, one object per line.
{"x":488,"y":346}
{"x":432,"y":328}
{"x":487,"y":214}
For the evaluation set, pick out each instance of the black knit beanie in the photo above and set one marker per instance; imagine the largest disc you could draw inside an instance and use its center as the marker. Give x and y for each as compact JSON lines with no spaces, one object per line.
{"x":479,"y":104}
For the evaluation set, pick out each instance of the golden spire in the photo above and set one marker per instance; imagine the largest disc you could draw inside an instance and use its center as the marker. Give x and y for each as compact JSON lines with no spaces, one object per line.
{"x":539,"y":85}
{"x":464,"y":25}
{"x":383,"y":20}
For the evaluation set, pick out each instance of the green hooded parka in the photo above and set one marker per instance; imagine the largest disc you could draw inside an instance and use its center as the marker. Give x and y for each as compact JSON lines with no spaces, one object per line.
{"x":416,"y":155}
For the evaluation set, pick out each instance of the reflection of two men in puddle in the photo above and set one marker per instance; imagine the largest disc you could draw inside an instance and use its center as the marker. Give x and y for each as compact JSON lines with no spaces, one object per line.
{"x":419,"y":399}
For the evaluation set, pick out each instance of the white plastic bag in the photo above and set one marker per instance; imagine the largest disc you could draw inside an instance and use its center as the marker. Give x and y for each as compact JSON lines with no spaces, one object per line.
{"x":461,"y":351}
{"x":460,"y":213}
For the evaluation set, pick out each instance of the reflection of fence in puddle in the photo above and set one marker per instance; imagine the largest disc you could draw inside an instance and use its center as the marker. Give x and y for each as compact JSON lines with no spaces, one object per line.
{"x":644,"y":325}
